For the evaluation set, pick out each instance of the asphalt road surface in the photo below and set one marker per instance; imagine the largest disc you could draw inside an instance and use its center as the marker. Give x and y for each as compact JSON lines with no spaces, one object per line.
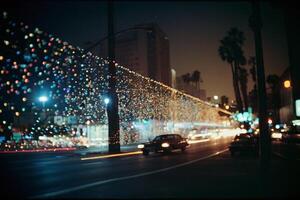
{"x":59,"y":175}
{"x":204,"y":170}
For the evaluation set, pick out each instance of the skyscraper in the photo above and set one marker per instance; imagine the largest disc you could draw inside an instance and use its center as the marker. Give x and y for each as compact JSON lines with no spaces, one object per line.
{"x":145,"y":52}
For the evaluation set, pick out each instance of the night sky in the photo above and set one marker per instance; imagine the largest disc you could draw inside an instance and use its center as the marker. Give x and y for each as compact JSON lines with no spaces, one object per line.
{"x":194,"y":30}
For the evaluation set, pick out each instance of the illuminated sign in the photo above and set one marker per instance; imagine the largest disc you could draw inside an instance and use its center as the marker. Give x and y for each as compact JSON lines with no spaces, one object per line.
{"x":297,"y":107}
{"x":17,"y":136}
{"x":296,"y":122}
{"x":243,"y":117}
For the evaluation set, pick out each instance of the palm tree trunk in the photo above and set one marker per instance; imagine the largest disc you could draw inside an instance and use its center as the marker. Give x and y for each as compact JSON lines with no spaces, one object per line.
{"x":244,"y":93}
{"x":236,"y":87}
{"x":243,"y":85}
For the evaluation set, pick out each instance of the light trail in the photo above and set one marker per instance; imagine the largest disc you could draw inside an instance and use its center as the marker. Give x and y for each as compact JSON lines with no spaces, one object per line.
{"x":198,"y":141}
{"x":113,"y":155}
{"x":39,"y":150}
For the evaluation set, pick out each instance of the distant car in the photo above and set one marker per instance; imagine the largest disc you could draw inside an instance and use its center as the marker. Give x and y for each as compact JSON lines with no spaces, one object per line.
{"x":292,"y":136}
{"x":164,"y":143}
{"x":276,"y":136}
{"x":244,"y":143}
{"x":200,"y":136}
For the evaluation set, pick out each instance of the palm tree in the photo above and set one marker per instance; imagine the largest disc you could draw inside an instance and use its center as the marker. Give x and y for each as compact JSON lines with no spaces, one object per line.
{"x":252,"y":63}
{"x":196,"y":77}
{"x":243,"y":78}
{"x":253,"y":93}
{"x":231,"y":51}
{"x":186,"y":78}
{"x":274,"y":82}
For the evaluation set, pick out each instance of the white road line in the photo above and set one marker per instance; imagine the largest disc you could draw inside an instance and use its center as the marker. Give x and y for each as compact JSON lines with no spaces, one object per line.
{"x":279,"y":155}
{"x":50,"y":194}
{"x":282,"y":156}
{"x":93,"y":163}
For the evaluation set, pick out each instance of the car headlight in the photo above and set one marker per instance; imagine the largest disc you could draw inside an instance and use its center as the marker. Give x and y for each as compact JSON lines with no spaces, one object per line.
{"x":276,"y":135}
{"x":165,"y":144}
{"x":140,"y":146}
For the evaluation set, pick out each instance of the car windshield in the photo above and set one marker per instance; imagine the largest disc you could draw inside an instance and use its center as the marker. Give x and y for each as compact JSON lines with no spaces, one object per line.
{"x":242,"y":137}
{"x":164,"y":137}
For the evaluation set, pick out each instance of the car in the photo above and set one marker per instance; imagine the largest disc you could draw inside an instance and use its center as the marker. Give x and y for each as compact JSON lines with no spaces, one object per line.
{"x":292,"y":136}
{"x":165,"y":143}
{"x":244,"y":143}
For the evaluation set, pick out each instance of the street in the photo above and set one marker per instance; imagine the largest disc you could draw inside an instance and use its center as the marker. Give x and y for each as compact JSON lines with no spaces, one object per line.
{"x":47,"y":173}
{"x":209,"y":89}
{"x":204,"y":170}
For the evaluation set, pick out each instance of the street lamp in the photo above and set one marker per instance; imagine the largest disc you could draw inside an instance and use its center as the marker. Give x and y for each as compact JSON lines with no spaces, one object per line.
{"x":43,"y":100}
{"x":287,"y":83}
{"x":106,"y":101}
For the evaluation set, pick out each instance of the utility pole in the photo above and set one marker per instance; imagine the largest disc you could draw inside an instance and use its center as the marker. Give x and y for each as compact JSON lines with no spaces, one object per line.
{"x":265,"y":140}
{"x":112,"y":106}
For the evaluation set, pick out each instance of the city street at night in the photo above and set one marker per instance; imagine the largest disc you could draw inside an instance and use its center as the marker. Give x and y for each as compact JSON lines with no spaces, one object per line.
{"x":105,"y":99}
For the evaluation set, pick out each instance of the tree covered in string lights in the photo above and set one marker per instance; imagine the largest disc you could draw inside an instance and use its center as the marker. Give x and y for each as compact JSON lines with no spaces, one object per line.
{"x":75,"y":82}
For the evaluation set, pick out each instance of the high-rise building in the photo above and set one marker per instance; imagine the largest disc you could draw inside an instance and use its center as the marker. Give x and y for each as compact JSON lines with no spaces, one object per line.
{"x":173,"y":78}
{"x":224,"y":100}
{"x":145,"y":52}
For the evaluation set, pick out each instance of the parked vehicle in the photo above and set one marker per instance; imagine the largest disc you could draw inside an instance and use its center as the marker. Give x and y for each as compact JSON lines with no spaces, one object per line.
{"x":244,"y":143}
{"x":292,"y":136}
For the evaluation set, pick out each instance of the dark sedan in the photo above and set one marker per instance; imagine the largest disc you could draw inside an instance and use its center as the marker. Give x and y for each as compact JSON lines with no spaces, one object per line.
{"x":244,"y":143}
{"x":164,"y":143}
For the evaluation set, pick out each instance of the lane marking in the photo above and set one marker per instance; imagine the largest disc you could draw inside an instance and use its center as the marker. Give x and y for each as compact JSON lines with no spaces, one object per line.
{"x":93,"y":163}
{"x":279,"y":155}
{"x":97,"y":183}
{"x":66,"y":149}
{"x":283,"y":157}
